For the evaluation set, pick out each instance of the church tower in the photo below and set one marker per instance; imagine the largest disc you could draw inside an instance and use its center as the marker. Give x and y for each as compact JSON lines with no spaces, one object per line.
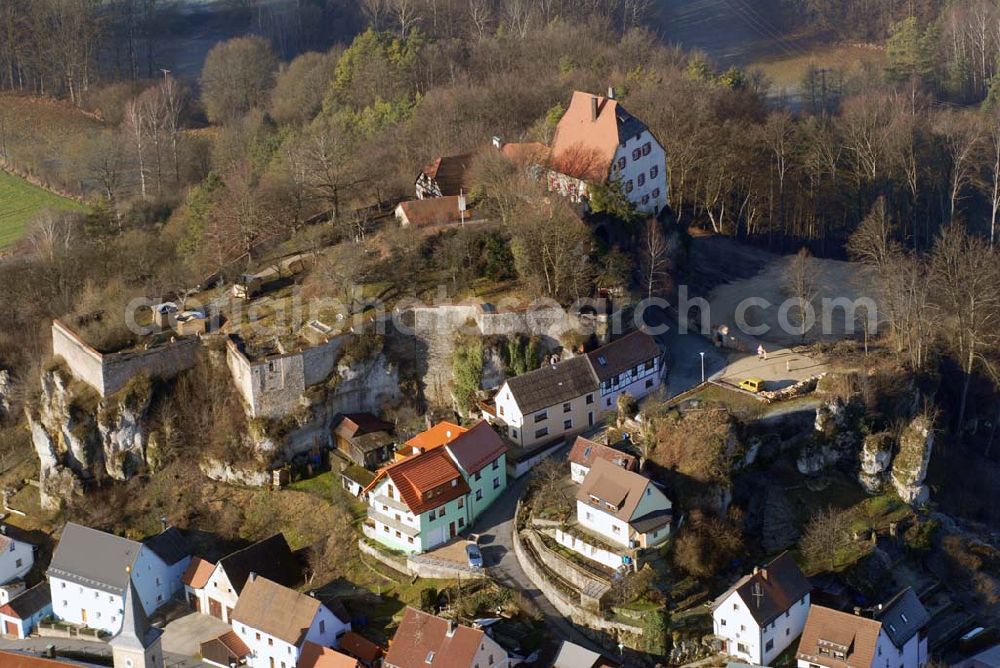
{"x":137,"y":645}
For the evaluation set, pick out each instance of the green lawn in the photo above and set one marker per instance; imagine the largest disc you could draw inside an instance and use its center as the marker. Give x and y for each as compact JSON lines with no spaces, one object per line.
{"x":20,"y":201}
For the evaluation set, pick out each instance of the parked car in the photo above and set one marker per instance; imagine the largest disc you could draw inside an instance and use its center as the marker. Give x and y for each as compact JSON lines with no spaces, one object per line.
{"x":753,"y":385}
{"x":474,"y":555}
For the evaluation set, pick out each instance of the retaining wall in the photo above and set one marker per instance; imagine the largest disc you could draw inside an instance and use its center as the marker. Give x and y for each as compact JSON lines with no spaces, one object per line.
{"x":421,"y":565}
{"x":559,"y":600}
{"x":519,"y":468}
{"x":108,"y":373}
{"x":564,"y":568}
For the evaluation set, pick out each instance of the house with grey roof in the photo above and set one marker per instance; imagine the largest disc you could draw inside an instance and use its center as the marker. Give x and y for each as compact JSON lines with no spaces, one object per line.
{"x":571,"y":396}
{"x":20,"y":616}
{"x":572,"y":655}
{"x":90,"y":573}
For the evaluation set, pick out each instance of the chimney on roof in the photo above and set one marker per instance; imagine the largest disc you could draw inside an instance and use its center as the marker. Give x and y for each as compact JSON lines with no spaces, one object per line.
{"x":497,"y":143}
{"x":756,"y":570}
{"x":163,"y":523}
{"x":251,"y":576}
{"x":3,"y":529}
{"x":763,"y":574}
{"x":452,"y":627}
{"x":593,"y":108}
{"x":611,"y":92}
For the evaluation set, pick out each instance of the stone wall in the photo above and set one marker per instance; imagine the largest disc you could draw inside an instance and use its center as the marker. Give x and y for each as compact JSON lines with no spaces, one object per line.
{"x":108,"y":373}
{"x":272,"y":386}
{"x":564,"y":568}
{"x":559,"y":600}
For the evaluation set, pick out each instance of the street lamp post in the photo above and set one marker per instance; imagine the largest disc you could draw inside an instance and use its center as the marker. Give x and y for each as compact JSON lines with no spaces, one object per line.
{"x":702,"y":366}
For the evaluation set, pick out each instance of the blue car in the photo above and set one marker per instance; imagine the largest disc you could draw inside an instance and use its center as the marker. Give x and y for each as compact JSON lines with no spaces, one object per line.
{"x":474,"y":555}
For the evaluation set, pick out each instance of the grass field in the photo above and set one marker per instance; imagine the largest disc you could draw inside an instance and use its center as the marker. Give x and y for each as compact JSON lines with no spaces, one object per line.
{"x":20,"y":201}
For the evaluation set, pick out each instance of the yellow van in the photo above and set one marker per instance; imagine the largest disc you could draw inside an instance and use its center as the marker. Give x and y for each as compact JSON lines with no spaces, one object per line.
{"x":753,"y":385}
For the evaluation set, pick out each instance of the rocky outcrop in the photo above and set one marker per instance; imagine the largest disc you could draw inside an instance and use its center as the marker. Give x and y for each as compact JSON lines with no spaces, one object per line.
{"x":909,"y":468}
{"x":876,"y":456}
{"x":6,"y":387}
{"x":78,"y":436}
{"x":227,"y":473}
{"x":834,"y":438}
{"x":817,"y":456}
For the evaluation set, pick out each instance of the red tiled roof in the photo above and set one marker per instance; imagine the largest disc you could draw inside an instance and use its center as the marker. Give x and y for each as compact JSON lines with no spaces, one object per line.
{"x":198,"y":572}
{"x":18,"y":660}
{"x":234,"y":643}
{"x":420,"y":633}
{"x":357,"y":645}
{"x":432,"y":211}
{"x":585,"y":451}
{"x":526,"y":153}
{"x":584,"y":147}
{"x":317,"y":656}
{"x":477,"y":447}
{"x":430,"y":473}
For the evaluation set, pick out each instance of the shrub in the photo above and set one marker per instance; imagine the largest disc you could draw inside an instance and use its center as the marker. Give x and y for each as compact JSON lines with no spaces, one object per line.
{"x":429,"y":599}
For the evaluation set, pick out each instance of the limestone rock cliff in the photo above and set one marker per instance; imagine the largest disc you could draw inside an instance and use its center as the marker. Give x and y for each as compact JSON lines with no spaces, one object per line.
{"x":876,"y":456}
{"x":78,"y":436}
{"x":909,"y":468}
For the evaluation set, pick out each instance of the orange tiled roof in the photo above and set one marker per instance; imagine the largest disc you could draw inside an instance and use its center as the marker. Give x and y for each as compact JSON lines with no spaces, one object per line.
{"x":316,"y":656}
{"x":424,"y":481}
{"x":198,"y":572}
{"x":440,"y":434}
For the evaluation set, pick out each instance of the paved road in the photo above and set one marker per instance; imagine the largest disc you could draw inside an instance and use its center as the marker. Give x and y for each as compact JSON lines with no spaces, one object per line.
{"x":93,"y":648}
{"x":495,"y":528}
{"x":683,"y":352}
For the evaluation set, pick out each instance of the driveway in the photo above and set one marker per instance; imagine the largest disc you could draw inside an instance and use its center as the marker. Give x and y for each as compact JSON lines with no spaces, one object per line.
{"x":683,"y":352}
{"x":185,"y":635}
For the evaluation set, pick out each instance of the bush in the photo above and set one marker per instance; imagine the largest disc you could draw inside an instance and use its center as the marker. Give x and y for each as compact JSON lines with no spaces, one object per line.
{"x":429,"y":600}
{"x":920,"y":536}
{"x":704,"y":548}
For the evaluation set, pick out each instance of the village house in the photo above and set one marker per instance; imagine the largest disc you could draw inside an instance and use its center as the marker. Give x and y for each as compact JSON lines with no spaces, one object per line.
{"x":597,"y":142}
{"x":276,"y":622}
{"x":214,"y":589}
{"x":364,"y":439}
{"x":424,"y":640}
{"x":571,"y":396}
{"x":631,"y":364}
{"x":16,"y":557}
{"x":429,"y":498}
{"x":20,"y":616}
{"x":763,"y":613}
{"x":893,"y":636}
{"x":585,"y":452}
{"x":447,"y":176}
{"x":623,"y":507}
{"x":91,"y":571}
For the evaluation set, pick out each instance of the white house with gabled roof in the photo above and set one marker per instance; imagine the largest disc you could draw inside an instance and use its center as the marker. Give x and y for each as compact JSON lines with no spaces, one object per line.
{"x":764,"y":612}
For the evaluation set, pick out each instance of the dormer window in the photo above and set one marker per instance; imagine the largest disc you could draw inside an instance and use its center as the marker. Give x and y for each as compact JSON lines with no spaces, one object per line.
{"x":430,"y":657}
